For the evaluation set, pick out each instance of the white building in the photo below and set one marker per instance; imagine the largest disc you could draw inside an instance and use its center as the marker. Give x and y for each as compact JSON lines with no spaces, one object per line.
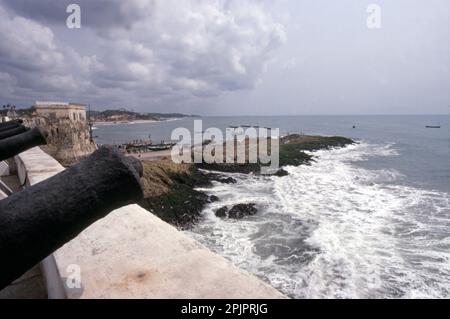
{"x":54,"y":111}
{"x":69,"y":137}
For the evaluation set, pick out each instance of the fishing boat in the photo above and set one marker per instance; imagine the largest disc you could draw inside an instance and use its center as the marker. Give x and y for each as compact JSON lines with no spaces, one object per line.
{"x":161,"y":147}
{"x":250,"y":126}
{"x":139,"y":146}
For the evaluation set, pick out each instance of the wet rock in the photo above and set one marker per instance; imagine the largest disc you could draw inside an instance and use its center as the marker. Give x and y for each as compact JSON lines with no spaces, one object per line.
{"x":281,"y":172}
{"x":222,"y":212}
{"x":241,"y":210}
{"x":213,"y":198}
{"x":227,"y":180}
{"x":221,"y":178}
{"x":237,"y":212}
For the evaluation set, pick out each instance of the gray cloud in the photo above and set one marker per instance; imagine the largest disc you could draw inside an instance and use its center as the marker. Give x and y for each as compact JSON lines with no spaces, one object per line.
{"x":100,"y":14}
{"x":229,"y":56}
{"x":146,"y":52}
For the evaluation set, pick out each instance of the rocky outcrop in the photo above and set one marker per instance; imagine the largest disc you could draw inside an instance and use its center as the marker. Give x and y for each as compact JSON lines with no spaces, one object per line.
{"x":292,"y":153}
{"x":171,"y":189}
{"x":169,"y":192}
{"x":238,"y":211}
{"x":222,"y":212}
{"x":213,"y":198}
{"x":221,"y":178}
{"x":293,"y":147}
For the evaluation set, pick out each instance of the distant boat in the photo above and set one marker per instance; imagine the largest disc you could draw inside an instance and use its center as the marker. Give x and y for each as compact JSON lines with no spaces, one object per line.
{"x":160,"y":147}
{"x":433,"y":126}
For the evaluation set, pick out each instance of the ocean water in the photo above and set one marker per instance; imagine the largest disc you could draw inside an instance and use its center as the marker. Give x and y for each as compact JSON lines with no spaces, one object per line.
{"x":371,"y":220}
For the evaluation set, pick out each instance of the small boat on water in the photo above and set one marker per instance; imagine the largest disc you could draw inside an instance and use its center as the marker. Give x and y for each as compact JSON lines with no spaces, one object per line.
{"x":139,"y":146}
{"x":433,"y":126}
{"x":250,"y":126}
{"x":161,"y":147}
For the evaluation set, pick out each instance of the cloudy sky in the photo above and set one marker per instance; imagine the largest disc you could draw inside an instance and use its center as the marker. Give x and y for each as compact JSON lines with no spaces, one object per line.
{"x":229,"y":57}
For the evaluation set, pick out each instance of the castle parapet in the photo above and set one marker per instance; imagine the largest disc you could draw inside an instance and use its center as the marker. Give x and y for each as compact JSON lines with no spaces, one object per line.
{"x":131,"y":253}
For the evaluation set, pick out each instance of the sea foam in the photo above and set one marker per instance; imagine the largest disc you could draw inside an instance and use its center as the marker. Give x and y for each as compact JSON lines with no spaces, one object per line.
{"x":333,"y":229}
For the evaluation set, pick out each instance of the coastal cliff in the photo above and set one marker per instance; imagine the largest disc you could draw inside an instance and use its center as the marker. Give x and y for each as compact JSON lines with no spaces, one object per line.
{"x":170,"y":189}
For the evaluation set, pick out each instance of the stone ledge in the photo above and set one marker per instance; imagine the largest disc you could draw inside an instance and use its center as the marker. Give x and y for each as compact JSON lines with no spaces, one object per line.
{"x":133,"y":254}
{"x":35,"y":165}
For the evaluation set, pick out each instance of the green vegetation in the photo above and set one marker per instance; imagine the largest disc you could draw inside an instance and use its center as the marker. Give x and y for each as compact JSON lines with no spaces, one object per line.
{"x":292,"y":152}
{"x":169,"y":192}
{"x":170,"y":188}
{"x":293,"y":147}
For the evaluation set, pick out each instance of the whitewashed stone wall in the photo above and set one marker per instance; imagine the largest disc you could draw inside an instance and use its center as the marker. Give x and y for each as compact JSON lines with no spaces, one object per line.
{"x":133,"y":254}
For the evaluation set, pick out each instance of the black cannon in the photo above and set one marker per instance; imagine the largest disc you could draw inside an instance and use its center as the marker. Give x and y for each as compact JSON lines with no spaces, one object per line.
{"x":12,"y":131}
{"x":16,"y":144}
{"x":40,"y":219}
{"x":10,"y":124}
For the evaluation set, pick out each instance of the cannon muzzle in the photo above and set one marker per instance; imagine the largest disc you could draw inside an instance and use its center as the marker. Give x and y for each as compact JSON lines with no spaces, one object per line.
{"x":40,"y":219}
{"x":10,"y":124}
{"x":12,"y":131}
{"x":16,"y":144}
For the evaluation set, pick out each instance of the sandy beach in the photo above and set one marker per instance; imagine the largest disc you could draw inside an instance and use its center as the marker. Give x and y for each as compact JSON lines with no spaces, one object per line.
{"x":127,"y":123}
{"x":152,"y":156}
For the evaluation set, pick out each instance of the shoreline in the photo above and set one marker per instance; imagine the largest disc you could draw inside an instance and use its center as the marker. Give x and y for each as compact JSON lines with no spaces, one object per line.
{"x":111,"y":123}
{"x":173,"y":192}
{"x":151,"y":156}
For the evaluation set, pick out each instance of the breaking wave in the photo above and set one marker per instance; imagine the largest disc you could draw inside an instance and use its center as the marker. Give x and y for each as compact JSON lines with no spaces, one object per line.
{"x":333,"y":229}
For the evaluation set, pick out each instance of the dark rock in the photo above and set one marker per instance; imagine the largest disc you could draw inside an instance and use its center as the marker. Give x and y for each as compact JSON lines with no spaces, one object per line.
{"x":221,"y":178}
{"x":231,"y":167}
{"x":281,"y":172}
{"x":227,"y":180}
{"x":222,"y":212}
{"x":213,"y":198}
{"x":241,"y":210}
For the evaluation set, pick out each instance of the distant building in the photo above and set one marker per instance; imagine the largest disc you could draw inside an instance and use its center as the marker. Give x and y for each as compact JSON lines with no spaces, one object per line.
{"x":9,"y":113}
{"x":55,"y":111}
{"x":67,"y":124}
{"x":12,"y":114}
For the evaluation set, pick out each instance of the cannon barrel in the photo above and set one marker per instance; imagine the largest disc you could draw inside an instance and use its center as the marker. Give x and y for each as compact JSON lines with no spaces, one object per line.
{"x":10,"y":124}
{"x":40,"y":219}
{"x":16,"y":144}
{"x":12,"y":131}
